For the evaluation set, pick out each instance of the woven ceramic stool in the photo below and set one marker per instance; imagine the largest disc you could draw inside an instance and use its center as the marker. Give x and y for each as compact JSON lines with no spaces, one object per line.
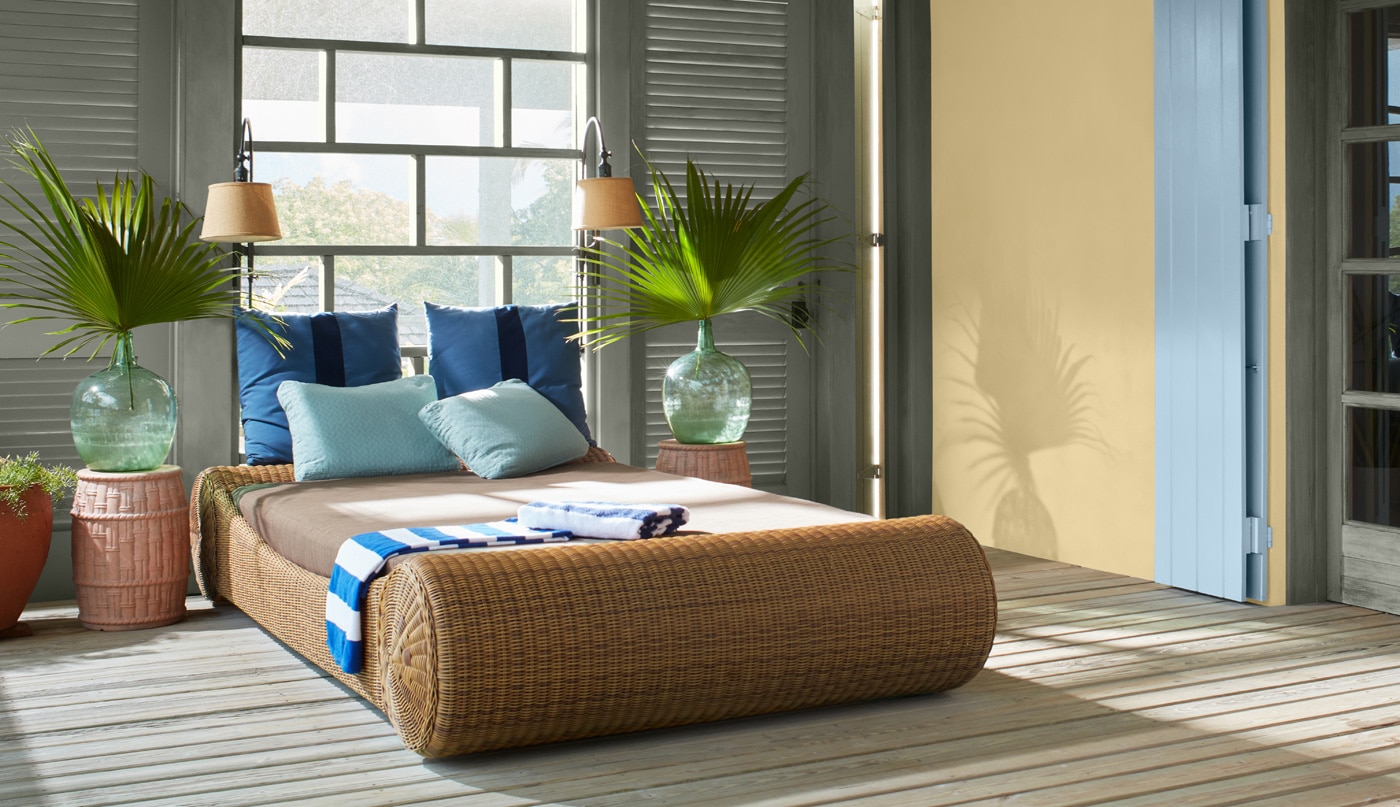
{"x":720,"y":462}
{"x":130,"y":548}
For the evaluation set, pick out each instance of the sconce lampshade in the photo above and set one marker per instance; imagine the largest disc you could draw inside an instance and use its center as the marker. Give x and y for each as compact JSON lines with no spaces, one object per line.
{"x":241,"y":213}
{"x":606,"y":203}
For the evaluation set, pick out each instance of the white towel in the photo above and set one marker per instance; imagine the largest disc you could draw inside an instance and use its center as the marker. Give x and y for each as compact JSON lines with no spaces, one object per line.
{"x":611,"y":520}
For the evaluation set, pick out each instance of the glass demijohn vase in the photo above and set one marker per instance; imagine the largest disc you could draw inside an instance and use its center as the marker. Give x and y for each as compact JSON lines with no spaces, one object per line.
{"x":123,"y":417}
{"x":706,"y":394}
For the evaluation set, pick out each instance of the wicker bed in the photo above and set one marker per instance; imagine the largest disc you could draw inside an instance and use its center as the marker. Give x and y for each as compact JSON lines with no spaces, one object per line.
{"x":470,"y":651}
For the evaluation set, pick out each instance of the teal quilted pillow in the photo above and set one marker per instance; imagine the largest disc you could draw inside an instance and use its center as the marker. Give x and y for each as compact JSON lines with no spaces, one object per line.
{"x":371,"y":430}
{"x":504,"y":431}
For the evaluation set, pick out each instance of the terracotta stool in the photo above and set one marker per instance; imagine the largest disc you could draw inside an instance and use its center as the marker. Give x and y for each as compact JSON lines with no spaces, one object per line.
{"x":130,"y":548}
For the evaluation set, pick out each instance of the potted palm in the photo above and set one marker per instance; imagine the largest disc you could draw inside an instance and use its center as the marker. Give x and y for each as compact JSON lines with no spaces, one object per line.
{"x":28,"y":490}
{"x":103,"y":266}
{"x":715,"y":252}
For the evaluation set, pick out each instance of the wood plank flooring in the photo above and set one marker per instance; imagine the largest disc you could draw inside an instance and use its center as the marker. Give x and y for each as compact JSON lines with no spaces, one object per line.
{"x":1101,"y":689}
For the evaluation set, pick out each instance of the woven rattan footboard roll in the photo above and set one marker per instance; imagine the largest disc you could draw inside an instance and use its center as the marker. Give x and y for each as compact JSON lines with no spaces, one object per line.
{"x":503,"y":649}
{"x":474,"y":651}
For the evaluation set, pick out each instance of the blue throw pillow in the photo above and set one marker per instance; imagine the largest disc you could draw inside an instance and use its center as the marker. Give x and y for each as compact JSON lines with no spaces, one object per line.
{"x":372,"y":430}
{"x":506,"y":430}
{"x":473,"y":348}
{"x":340,"y":349}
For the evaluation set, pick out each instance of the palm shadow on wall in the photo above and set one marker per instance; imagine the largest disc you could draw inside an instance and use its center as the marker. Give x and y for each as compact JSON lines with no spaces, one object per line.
{"x":1026,"y":394}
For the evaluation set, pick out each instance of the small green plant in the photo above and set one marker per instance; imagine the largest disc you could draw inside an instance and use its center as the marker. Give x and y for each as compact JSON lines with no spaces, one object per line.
{"x":19,"y":474}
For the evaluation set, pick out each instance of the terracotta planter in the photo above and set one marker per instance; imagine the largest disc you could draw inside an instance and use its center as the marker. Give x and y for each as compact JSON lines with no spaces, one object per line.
{"x":25,"y":544}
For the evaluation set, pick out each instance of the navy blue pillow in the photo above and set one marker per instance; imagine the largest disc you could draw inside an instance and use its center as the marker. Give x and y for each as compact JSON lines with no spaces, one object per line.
{"x":340,"y":349}
{"x":475,"y":348}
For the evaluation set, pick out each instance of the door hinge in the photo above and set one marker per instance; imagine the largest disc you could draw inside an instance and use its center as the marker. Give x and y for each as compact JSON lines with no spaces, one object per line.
{"x":871,"y":472}
{"x":1258,"y":223}
{"x":873,"y":239}
{"x":1258,"y":536}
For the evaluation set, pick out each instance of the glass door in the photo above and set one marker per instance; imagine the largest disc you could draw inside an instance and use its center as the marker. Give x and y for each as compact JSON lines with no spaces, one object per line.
{"x":1368,"y":334}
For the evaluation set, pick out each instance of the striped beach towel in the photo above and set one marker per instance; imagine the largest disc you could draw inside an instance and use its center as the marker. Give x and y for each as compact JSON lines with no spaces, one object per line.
{"x":362,"y":557}
{"x":611,"y":520}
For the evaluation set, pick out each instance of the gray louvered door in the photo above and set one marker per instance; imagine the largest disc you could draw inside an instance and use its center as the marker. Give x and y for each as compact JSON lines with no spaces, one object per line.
{"x":69,"y":70}
{"x":718,"y":85}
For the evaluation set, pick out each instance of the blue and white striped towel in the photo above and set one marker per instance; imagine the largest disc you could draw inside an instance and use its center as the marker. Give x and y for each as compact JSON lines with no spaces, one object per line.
{"x":364,"y":556}
{"x":612,"y":520}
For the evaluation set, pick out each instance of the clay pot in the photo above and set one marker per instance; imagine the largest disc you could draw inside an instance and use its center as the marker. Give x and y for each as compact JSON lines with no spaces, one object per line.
{"x":25,"y":544}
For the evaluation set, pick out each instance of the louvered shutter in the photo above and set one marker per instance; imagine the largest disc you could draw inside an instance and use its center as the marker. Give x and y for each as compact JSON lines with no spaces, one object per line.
{"x":716,"y":88}
{"x":68,"y":70}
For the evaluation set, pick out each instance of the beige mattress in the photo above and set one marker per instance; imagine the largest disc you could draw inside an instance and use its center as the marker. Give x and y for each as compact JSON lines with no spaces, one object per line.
{"x":306,"y":522}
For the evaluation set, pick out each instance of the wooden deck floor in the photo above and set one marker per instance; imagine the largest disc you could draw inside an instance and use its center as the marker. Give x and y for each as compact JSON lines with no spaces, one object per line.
{"x":1101,"y":689}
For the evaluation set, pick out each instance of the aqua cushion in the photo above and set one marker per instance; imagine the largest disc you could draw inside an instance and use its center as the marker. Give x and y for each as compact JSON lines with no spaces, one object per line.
{"x":474,"y":348}
{"x":371,"y":430}
{"x":339,"y":349}
{"x":506,"y":430}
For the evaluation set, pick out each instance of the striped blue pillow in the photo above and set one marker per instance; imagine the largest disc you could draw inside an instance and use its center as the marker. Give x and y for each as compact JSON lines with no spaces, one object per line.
{"x":474,"y":348}
{"x":340,"y":349}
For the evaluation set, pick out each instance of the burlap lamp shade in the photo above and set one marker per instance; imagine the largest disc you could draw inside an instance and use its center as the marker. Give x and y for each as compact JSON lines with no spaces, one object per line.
{"x":240,"y":212}
{"x":606,"y":203}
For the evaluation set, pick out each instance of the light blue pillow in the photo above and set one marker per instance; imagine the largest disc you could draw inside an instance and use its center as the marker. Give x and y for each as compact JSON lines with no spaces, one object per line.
{"x":505,"y":430}
{"x":371,"y":430}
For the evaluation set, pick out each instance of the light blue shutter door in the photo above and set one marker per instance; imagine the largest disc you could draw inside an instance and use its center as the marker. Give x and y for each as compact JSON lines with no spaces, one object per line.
{"x":1201,"y":225}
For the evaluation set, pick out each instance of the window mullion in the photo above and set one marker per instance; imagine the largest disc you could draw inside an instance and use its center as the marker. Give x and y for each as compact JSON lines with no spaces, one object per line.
{"x":328,"y":83}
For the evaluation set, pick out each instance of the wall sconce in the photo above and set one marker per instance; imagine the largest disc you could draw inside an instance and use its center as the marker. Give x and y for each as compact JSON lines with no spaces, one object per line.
{"x":605,"y":202}
{"x":242,"y":211}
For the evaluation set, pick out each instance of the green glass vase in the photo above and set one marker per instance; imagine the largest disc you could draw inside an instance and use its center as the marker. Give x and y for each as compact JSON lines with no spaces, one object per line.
{"x":706,"y":394}
{"x":123,"y":417}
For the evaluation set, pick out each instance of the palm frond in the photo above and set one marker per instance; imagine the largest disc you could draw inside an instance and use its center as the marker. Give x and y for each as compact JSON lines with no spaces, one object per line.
{"x":716,"y":253}
{"x":106,"y":264}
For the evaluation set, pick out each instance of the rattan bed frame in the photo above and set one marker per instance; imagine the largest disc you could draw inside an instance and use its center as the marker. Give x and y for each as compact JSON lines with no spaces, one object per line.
{"x":475,"y":651}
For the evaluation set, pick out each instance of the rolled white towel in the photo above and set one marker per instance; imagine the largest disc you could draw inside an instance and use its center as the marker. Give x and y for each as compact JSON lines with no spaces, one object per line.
{"x":611,"y":520}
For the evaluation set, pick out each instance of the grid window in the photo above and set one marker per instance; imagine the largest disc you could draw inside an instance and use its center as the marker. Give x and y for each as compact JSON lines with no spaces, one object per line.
{"x":414,"y":156}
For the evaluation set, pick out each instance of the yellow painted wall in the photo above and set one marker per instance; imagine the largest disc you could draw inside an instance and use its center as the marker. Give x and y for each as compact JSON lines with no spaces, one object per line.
{"x":1043,"y":276}
{"x":1042,"y":233}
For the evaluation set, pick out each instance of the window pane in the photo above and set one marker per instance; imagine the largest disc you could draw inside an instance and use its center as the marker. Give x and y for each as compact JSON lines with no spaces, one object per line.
{"x":542,"y":104}
{"x":1373,"y":80}
{"x":288,"y":284}
{"x":362,"y":20}
{"x":1373,"y":482}
{"x":435,"y":100}
{"x":1373,"y":181}
{"x":527,"y":24}
{"x":1373,"y":322}
{"x":363,"y":283}
{"x":541,"y":280}
{"x":341,"y":198}
{"x":497,"y":201}
{"x":282,"y":94}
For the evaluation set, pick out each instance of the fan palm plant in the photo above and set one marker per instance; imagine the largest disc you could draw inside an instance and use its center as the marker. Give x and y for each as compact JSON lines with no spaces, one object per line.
{"x":715,"y":252}
{"x":103,"y":266}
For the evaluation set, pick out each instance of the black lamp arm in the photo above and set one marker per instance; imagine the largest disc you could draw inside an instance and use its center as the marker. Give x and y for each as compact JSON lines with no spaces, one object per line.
{"x":604,"y":167}
{"x":243,"y":160}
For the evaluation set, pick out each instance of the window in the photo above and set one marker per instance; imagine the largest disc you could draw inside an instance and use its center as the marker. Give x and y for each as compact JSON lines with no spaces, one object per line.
{"x":419,"y":150}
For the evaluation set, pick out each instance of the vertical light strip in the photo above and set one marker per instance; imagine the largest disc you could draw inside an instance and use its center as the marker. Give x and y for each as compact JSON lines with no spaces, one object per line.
{"x":869,"y":46}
